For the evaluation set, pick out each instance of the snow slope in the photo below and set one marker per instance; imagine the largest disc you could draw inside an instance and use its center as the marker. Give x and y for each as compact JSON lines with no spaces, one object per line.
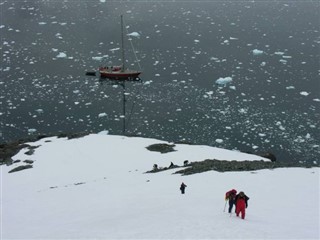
{"x":96,"y":187}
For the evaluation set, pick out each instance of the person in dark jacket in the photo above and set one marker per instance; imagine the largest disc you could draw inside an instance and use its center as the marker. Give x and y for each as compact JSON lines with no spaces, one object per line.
{"x":231,"y":197}
{"x":241,"y":204}
{"x":182,"y":188}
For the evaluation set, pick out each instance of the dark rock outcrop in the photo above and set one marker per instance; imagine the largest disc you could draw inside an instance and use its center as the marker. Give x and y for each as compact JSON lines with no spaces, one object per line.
{"x":20,"y":168}
{"x":161,"y":147}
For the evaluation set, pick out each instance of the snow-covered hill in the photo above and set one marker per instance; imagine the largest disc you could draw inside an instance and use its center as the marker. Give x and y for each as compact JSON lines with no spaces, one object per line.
{"x":96,"y":187}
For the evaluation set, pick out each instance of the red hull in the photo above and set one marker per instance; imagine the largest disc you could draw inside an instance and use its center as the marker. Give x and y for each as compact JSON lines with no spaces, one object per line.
{"x":118,"y":75}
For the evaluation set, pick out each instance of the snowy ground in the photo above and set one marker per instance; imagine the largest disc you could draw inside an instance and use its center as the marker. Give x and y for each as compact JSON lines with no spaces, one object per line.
{"x":96,"y":187}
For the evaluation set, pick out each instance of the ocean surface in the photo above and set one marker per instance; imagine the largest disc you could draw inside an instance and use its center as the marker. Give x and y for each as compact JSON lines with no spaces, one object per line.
{"x":265,"y":52}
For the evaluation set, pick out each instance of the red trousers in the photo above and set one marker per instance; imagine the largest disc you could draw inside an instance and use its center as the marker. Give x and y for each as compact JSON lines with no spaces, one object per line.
{"x":241,"y":208}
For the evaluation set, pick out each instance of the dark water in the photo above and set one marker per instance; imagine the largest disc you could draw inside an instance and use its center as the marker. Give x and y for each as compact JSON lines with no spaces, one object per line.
{"x":272,"y":103}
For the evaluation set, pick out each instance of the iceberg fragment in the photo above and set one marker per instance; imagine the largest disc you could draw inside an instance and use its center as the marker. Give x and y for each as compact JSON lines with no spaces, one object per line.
{"x":223,"y":81}
{"x":257,"y":52}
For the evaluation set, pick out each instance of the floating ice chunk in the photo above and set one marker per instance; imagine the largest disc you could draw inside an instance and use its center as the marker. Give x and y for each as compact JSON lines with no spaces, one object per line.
{"x":114,"y":49}
{"x":134,"y":34}
{"x":243,"y":111}
{"x":279,"y":53}
{"x":42,"y":23}
{"x":257,"y":52}
{"x":97,"y":58}
{"x":39,"y":110}
{"x":308,"y":136}
{"x":304,"y":93}
{"x":219,"y":140}
{"x":316,"y":100}
{"x":2,"y":26}
{"x":102,"y":1}
{"x":262,"y":134}
{"x":233,"y":87}
{"x":263,"y":64}
{"x":224,"y":81}
{"x":102,"y":115}
{"x":32,"y":130}
{"x":290,"y":87}
{"x":61,"y":55}
{"x":214,"y":59}
{"x":196,"y":41}
{"x":174,"y":73}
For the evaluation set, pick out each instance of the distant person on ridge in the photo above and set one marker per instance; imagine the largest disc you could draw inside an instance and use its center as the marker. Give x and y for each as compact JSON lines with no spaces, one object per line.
{"x":231,"y":197}
{"x":182,"y":188}
{"x":241,"y":204}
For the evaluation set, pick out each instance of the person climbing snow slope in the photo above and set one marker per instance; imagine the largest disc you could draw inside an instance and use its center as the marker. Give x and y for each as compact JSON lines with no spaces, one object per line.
{"x":241,"y":204}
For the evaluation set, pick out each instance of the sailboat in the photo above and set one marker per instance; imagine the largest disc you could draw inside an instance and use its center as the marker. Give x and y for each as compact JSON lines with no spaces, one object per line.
{"x":119,"y":72}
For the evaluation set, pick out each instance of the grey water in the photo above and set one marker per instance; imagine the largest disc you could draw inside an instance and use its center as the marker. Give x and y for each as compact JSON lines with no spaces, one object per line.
{"x":269,"y":50}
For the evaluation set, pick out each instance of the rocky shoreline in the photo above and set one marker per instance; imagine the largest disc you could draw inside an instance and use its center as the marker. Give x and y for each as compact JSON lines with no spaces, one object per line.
{"x":8,"y":150}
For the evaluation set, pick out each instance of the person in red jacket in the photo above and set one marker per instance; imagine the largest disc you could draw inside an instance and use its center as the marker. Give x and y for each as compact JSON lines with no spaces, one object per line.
{"x":241,"y":204}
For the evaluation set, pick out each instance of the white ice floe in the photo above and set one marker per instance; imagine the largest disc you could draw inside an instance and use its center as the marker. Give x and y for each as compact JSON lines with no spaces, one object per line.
{"x":223,"y":81}
{"x":114,"y":49}
{"x":219,"y":140}
{"x":32,"y":130}
{"x":290,"y":87}
{"x":61,"y":55}
{"x":257,"y":52}
{"x":304,"y":93}
{"x":102,"y":115}
{"x":134,"y":34}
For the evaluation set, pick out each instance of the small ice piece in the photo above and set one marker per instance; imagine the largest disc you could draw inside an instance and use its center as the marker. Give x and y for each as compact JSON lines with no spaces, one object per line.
{"x":304,"y":93}
{"x":279,"y":53}
{"x":316,"y":100}
{"x":257,"y":52}
{"x":290,"y":87}
{"x":97,"y":58}
{"x":196,"y":41}
{"x":114,"y":49}
{"x":223,"y":81}
{"x":134,"y":34}
{"x":32,"y":130}
{"x":61,"y":55}
{"x":42,"y":23}
{"x":102,"y":1}
{"x":102,"y":115}
{"x":219,"y":140}
{"x":263,"y":64}
{"x":233,"y":87}
{"x":39,"y":110}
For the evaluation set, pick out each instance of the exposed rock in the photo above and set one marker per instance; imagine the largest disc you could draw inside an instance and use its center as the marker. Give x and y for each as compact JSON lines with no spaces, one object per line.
{"x":228,"y":166}
{"x":20,"y":168}
{"x":270,"y":156}
{"x":161,"y":147}
{"x":8,"y":150}
{"x":28,"y":161}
